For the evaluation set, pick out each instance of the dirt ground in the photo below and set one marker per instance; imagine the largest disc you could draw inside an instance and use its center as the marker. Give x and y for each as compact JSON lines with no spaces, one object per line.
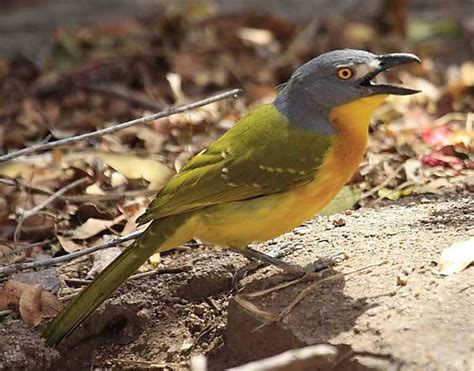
{"x":401,"y":309}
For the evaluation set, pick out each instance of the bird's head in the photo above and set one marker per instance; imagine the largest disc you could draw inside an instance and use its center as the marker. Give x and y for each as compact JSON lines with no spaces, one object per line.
{"x":335,"y":79}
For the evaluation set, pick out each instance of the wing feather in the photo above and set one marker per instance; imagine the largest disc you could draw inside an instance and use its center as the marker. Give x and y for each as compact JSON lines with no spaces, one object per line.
{"x":260,"y":155}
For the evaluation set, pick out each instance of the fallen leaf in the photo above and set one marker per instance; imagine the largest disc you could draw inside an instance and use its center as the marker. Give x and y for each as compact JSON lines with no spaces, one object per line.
{"x":435,"y":136}
{"x":15,"y":169}
{"x":134,"y":167}
{"x":346,"y":199}
{"x":94,"y":226}
{"x":456,"y":257}
{"x":68,"y":245}
{"x":50,"y":304}
{"x":30,"y":305}
{"x":31,"y":301}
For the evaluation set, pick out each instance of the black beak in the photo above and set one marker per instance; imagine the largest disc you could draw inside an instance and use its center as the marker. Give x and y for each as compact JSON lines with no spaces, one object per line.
{"x":386,"y":62}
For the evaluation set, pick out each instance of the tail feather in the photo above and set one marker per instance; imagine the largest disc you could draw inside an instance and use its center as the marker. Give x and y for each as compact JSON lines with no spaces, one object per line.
{"x":110,"y":279}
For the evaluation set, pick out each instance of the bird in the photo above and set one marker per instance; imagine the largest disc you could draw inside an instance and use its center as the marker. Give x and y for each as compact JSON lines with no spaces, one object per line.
{"x":274,"y":169}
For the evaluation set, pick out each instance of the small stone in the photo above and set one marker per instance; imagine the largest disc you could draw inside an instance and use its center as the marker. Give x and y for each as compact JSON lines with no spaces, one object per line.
{"x":402,"y":280}
{"x":339,"y":222}
{"x":185,"y":346}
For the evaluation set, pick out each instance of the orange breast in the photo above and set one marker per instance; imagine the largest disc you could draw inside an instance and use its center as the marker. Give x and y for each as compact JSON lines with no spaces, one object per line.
{"x":352,"y":123}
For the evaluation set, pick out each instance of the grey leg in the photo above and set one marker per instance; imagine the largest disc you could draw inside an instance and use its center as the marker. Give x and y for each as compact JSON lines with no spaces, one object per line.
{"x":259,"y":260}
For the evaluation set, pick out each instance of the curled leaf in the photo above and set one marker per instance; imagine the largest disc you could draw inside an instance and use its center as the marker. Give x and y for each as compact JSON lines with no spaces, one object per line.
{"x":456,"y":257}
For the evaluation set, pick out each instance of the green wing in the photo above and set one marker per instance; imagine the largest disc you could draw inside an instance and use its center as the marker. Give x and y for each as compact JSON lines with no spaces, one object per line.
{"x":260,"y":155}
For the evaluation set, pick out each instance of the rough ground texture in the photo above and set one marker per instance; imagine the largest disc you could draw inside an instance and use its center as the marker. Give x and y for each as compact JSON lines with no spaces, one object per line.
{"x":402,"y":308}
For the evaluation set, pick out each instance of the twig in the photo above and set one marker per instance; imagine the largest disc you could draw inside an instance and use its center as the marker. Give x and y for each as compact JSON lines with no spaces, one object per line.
{"x":25,"y":214}
{"x":383,"y":184}
{"x":85,"y":282}
{"x":309,"y":288}
{"x":5,"y":312}
{"x":17,"y":267}
{"x":170,"y":270}
{"x":121,"y":92}
{"x":148,"y":364}
{"x":19,"y":184}
{"x":307,"y":358}
{"x":271,"y":317}
{"x":395,"y":363}
{"x":27,"y":246}
{"x":112,"y":129}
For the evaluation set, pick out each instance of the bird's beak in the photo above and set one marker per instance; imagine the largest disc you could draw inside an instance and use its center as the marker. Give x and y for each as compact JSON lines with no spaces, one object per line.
{"x":385,"y":62}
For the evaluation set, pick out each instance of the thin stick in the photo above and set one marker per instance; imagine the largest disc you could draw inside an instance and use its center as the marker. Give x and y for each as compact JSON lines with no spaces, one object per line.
{"x":383,"y":184}
{"x":17,"y":267}
{"x":112,"y":129}
{"x":172,"y":270}
{"x":35,"y":210}
{"x":19,"y":184}
{"x":303,"y":293}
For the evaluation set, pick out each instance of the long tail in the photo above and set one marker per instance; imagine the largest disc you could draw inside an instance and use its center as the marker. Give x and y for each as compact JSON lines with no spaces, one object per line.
{"x":113,"y":276}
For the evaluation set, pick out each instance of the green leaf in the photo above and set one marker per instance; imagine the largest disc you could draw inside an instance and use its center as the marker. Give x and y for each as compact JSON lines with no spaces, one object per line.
{"x":345,"y":200}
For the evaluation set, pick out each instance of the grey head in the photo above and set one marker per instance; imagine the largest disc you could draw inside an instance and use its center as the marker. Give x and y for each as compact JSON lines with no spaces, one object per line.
{"x":333,"y":79}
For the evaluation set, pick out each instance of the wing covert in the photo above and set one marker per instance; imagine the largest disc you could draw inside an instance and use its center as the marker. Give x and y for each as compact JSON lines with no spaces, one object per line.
{"x":260,"y":155}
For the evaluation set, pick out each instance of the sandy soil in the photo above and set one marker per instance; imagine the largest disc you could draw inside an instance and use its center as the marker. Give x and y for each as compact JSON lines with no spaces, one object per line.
{"x":401,"y":309}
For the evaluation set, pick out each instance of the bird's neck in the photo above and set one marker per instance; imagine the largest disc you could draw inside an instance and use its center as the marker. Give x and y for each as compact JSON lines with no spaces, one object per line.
{"x":302,"y":112}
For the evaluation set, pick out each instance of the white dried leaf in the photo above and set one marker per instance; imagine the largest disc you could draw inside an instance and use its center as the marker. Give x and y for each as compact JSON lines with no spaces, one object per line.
{"x":456,"y":257}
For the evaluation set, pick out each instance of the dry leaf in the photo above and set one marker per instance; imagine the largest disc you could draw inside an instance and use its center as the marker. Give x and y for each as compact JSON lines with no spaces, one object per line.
{"x":94,"y":226}
{"x":30,"y":305}
{"x":50,"y":304}
{"x":15,"y":169}
{"x":31,"y":301}
{"x":68,"y":245}
{"x":134,"y":167}
{"x":10,"y":294}
{"x":456,"y":257}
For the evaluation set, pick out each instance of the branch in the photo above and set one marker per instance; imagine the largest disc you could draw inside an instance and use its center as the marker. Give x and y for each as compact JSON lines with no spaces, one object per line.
{"x":112,"y":129}
{"x":60,"y":259}
{"x":25,"y":214}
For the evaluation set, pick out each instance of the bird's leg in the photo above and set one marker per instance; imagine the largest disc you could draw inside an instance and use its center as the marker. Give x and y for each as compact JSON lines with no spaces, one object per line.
{"x":272,"y":260}
{"x":259,"y":260}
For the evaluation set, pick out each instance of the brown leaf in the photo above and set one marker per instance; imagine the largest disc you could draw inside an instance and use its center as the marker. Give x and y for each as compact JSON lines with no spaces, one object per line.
{"x":94,"y":226}
{"x":50,"y":304}
{"x":68,"y":245}
{"x":31,"y":301}
{"x":30,"y":305}
{"x":10,"y":294}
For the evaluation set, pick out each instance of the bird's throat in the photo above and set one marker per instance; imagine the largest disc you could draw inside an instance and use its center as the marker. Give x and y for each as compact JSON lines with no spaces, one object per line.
{"x":351,"y":121}
{"x":354,"y":117}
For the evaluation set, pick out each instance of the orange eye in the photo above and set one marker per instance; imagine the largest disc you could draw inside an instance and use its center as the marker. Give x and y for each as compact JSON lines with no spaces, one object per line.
{"x":344,"y":73}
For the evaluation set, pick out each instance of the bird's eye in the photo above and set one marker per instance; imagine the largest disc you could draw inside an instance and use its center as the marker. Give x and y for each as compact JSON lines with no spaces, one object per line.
{"x":344,"y":73}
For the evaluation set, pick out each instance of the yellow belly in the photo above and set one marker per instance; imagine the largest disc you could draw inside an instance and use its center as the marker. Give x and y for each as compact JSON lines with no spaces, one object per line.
{"x":239,"y":223}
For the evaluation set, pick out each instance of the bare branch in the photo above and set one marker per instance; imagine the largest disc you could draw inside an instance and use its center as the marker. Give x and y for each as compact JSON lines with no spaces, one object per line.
{"x":17,"y":267}
{"x":112,"y":129}
{"x":34,"y":210}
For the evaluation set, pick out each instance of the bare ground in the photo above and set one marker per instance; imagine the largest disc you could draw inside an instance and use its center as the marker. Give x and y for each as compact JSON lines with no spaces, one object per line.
{"x":402,"y":309}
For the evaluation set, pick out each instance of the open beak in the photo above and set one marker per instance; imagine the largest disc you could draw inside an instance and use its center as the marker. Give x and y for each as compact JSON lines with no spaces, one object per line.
{"x":386,"y":62}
